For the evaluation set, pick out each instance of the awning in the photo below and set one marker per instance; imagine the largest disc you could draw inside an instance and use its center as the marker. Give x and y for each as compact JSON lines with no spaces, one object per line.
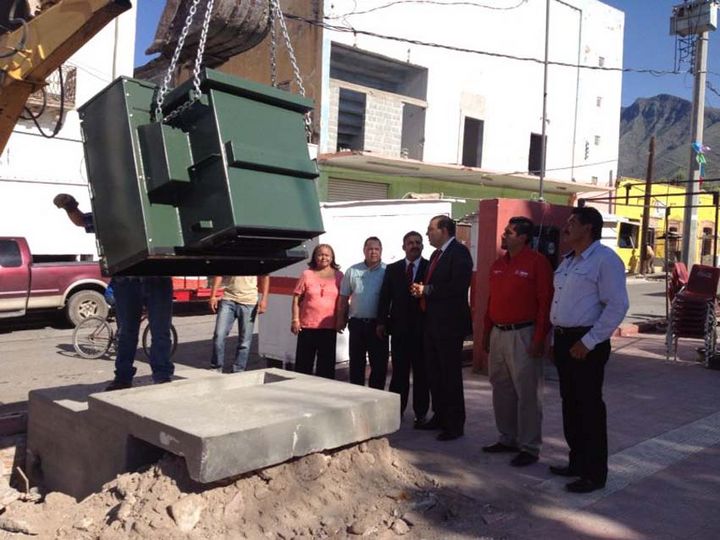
{"x":367,"y":162}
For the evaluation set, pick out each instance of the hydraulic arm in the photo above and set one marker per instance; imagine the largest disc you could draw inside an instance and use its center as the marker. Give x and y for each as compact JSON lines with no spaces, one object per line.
{"x":31,"y":52}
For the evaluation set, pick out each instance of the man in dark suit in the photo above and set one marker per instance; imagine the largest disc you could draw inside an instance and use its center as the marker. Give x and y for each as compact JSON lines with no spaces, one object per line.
{"x":399,"y":314}
{"x":444,"y":296}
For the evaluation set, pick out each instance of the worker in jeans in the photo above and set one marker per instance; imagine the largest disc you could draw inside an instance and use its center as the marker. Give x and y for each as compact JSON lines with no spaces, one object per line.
{"x":244,"y":298}
{"x":132,"y":294}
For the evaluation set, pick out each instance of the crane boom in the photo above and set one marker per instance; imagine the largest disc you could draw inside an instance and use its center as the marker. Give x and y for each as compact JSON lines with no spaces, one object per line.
{"x":39,"y":46}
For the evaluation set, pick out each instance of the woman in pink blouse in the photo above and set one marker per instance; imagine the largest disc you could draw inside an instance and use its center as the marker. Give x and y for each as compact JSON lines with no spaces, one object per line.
{"x":313,"y":313}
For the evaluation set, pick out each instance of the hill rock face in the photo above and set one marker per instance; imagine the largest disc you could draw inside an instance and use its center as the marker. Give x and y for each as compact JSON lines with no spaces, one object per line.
{"x":668,"y":119}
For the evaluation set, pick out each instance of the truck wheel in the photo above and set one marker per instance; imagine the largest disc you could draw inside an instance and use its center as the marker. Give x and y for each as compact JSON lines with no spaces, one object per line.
{"x":84,"y":304}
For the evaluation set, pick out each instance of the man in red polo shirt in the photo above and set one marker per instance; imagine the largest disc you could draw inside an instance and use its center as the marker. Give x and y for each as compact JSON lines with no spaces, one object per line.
{"x":517,"y":322}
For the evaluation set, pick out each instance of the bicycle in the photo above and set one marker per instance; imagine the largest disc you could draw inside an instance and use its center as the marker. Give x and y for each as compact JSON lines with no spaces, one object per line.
{"x":95,"y":337}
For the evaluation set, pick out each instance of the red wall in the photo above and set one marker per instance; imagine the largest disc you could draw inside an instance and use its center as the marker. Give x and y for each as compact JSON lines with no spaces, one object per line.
{"x":493,"y":216}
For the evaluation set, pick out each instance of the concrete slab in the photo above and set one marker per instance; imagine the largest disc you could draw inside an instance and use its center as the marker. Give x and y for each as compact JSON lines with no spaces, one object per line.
{"x":80,"y":437}
{"x":247,"y":421}
{"x":72,"y":451}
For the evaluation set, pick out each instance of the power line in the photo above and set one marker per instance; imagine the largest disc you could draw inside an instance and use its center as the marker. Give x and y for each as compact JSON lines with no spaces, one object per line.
{"x":355,"y":31}
{"x":433,"y":2}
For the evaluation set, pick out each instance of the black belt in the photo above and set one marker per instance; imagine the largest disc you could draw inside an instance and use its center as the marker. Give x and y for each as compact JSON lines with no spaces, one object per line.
{"x":366,"y":321}
{"x":516,"y":326}
{"x":572,"y":330}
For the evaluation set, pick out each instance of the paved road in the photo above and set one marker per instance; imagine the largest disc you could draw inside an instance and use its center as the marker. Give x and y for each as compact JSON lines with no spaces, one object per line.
{"x":647,"y":300}
{"x":38,"y":353}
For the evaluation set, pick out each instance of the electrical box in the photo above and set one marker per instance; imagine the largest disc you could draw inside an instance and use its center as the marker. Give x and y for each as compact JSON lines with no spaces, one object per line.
{"x":693,"y":18}
{"x":224,"y":187}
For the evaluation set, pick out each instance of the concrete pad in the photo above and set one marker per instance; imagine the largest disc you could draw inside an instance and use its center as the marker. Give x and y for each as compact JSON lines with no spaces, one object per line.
{"x":242,"y":422}
{"x":73,"y":451}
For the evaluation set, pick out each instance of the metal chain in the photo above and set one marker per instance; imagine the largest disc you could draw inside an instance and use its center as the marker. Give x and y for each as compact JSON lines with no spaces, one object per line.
{"x":273,"y":49}
{"x":291,"y":52}
{"x":201,"y":48}
{"x":278,"y":15}
{"x":173,"y":62}
{"x":196,"y":92}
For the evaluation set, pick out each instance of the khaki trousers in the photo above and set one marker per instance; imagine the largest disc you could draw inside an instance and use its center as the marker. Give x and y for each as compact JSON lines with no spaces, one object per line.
{"x":517,"y":380}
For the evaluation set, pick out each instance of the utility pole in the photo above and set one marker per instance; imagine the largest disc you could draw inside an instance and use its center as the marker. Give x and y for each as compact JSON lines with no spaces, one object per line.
{"x":543,"y":137}
{"x":697,"y":127}
{"x":696,"y":18}
{"x":646,"y":205}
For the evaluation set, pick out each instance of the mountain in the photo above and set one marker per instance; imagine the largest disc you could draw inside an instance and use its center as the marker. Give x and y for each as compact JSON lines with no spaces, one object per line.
{"x":668,"y":118}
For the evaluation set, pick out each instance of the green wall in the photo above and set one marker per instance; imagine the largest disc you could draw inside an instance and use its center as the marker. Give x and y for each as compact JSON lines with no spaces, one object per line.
{"x":400,"y":185}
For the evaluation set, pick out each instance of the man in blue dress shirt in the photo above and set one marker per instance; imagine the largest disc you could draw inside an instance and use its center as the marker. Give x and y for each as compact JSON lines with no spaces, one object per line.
{"x":357,"y":308}
{"x":590,"y":302}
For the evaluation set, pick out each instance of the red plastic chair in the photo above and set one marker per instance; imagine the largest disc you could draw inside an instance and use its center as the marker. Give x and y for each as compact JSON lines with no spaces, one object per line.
{"x":694,"y":306}
{"x":678,"y":280}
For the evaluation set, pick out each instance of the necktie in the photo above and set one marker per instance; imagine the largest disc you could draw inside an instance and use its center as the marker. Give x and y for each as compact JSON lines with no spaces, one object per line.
{"x":409,"y":272}
{"x":433,"y":263}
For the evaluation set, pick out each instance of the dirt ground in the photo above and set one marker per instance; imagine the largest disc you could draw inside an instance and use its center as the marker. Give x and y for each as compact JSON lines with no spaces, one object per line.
{"x":364,"y":490}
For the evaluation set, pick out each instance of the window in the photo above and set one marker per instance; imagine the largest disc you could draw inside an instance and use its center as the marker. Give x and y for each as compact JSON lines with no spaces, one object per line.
{"x":597,"y":140}
{"x":472,"y":142}
{"x":601,"y":61}
{"x":351,"y":120}
{"x":535,"y":154}
{"x":598,"y":101}
{"x":10,"y":254}
{"x":412,"y":138}
{"x":629,"y":233}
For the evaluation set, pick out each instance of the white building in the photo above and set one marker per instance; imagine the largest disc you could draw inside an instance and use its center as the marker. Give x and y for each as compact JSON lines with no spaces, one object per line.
{"x":482,"y":109}
{"x":34,"y":169}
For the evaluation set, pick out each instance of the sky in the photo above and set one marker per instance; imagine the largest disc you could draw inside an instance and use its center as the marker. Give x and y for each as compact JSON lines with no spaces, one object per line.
{"x":648,"y":45}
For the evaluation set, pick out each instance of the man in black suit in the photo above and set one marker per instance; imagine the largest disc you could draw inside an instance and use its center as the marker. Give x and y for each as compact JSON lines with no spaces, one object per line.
{"x":444,"y":297}
{"x":399,"y":315}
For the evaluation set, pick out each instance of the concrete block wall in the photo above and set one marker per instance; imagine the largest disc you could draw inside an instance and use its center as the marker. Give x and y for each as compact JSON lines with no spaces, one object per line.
{"x":383,"y":124}
{"x":383,"y":119}
{"x":334,"y":100}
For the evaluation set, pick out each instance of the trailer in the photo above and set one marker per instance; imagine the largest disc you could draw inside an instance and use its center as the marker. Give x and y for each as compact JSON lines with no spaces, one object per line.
{"x":347,"y":225}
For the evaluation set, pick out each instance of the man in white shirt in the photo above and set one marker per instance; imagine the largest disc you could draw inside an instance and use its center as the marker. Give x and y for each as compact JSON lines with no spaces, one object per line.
{"x":590,"y":302}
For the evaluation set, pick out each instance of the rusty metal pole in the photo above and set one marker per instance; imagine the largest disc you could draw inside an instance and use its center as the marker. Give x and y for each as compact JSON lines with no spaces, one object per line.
{"x":646,"y":205}
{"x":716,"y":202}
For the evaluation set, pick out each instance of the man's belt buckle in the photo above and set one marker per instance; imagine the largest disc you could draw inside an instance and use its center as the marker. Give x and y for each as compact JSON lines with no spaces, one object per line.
{"x":516,"y":326}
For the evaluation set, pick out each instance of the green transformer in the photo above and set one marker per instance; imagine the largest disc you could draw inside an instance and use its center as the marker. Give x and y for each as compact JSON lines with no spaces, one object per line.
{"x":225,"y":187}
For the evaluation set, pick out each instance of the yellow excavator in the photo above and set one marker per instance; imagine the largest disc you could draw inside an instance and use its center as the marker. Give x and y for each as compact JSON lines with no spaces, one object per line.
{"x":38,"y":36}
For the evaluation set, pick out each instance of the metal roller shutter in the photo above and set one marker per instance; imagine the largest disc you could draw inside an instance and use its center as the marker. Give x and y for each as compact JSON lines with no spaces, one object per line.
{"x":354,"y":190}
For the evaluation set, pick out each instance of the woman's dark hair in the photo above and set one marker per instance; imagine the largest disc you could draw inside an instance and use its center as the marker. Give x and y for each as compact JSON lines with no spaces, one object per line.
{"x":587,"y":215}
{"x":313,"y":265}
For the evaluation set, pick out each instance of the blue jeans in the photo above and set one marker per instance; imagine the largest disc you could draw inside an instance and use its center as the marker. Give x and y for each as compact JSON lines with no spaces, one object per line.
{"x":227,"y":312}
{"x":131,"y":295}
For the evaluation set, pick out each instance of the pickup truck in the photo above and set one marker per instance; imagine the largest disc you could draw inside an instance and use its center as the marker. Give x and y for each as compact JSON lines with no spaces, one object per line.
{"x":26,"y":285}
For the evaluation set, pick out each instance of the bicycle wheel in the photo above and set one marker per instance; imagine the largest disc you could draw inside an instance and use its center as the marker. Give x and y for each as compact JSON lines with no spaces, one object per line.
{"x":93,"y":337}
{"x":147,"y":340}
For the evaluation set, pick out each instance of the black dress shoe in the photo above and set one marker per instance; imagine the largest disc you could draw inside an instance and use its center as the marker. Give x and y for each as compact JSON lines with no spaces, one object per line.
{"x":117,"y":385}
{"x":419,"y":422}
{"x":563,"y":471}
{"x":584,"y":485}
{"x":499,"y":448}
{"x":448,"y":436}
{"x":523,"y":459}
{"x":430,"y":425}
